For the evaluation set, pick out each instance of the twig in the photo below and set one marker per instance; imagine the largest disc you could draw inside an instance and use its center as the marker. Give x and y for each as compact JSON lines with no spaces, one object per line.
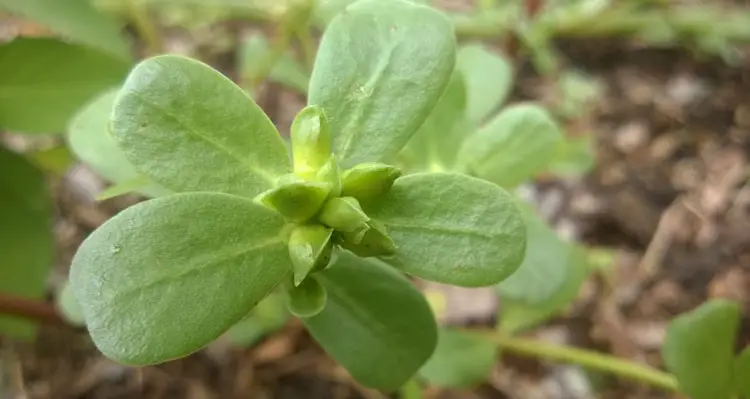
{"x":31,"y":309}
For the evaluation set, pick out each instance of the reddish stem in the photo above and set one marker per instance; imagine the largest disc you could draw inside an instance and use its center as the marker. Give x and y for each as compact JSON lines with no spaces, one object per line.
{"x":31,"y":309}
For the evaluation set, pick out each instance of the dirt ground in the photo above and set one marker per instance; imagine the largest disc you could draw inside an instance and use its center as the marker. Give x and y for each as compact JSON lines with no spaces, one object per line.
{"x":670,"y":193}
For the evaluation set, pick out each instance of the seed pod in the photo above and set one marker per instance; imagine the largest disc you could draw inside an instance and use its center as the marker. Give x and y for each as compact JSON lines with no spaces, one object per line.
{"x":344,"y":214}
{"x":369,"y":180}
{"x":308,"y":299}
{"x":330,"y":173}
{"x":311,"y":140}
{"x":297,"y":201}
{"x":310,"y":248}
{"x":375,"y":242}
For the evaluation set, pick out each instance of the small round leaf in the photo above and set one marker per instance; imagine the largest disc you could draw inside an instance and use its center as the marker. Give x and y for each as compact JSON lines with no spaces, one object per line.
{"x":167,"y":276}
{"x":452,"y":228}
{"x":307,"y":299}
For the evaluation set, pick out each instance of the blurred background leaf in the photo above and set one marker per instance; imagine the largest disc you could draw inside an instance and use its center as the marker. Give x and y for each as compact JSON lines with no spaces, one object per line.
{"x":26,"y":237}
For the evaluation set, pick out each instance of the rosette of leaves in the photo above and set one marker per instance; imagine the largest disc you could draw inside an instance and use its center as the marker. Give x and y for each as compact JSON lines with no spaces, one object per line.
{"x":333,"y":227}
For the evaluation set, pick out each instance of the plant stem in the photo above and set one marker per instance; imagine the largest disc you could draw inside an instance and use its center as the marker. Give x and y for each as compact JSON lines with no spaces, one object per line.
{"x":585,"y":358}
{"x":146,"y":27}
{"x":31,"y":309}
{"x":308,"y":47}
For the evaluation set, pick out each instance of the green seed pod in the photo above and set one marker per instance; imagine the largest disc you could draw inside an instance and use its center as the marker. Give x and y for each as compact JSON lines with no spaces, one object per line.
{"x":308,"y":299}
{"x":330,"y":173}
{"x":343,"y":214}
{"x":310,"y":248}
{"x":375,"y":242}
{"x":369,"y":180}
{"x":297,"y":201}
{"x":311,"y":140}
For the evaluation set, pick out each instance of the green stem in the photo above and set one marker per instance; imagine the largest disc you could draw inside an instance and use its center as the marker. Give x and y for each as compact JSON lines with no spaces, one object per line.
{"x":585,"y":358}
{"x":146,"y":27}
{"x":308,"y":47}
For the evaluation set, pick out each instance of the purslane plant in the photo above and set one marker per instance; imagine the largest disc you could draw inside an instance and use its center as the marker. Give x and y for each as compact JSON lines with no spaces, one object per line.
{"x":331,"y":226}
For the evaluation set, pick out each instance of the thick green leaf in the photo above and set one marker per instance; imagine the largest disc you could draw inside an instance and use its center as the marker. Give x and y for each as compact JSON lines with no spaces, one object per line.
{"x":286,"y":71}
{"x":44,"y":81}
{"x":742,"y":373}
{"x":307,"y":299}
{"x":376,"y":324}
{"x":460,"y":360}
{"x":518,"y":315}
{"x":267,"y":317}
{"x":381,"y":68}
{"x":167,"y":276}
{"x":90,"y":140}
{"x":489,"y":78}
{"x":545,"y":266}
{"x":66,"y":304}
{"x":575,"y":156}
{"x":189,"y":128}
{"x":699,"y":349}
{"x":26,"y":240}
{"x":77,"y":20}
{"x":436,"y":143}
{"x":452,"y":228}
{"x":515,"y":145}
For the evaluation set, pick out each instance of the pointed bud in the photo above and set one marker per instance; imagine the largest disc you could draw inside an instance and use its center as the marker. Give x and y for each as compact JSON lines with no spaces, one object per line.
{"x":310,"y":248}
{"x":375,"y":242}
{"x":297,"y":201}
{"x":343,"y":214}
{"x":330,"y":173}
{"x":369,"y":180}
{"x":311,"y":140}
{"x":308,"y":299}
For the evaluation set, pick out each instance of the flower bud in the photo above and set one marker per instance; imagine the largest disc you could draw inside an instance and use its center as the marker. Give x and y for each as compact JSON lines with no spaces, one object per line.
{"x":308,"y":299}
{"x":297,"y":201}
{"x":374,"y":242}
{"x":310,"y":248}
{"x":343,"y":214}
{"x":311,"y":140}
{"x":369,"y":180}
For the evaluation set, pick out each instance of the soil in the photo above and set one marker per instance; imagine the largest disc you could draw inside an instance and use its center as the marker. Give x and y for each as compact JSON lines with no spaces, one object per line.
{"x":669,"y":194}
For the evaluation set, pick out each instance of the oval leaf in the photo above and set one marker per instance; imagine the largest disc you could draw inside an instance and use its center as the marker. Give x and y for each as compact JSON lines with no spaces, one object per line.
{"x":512,"y":147}
{"x":44,"y":81}
{"x":26,"y":240}
{"x":167,"y":276}
{"x":452,"y":228}
{"x":189,"y":128}
{"x":381,"y":68}
{"x":489,"y":78}
{"x":544,"y":269}
{"x":518,"y":315}
{"x":382,"y":348}
{"x":434,"y":146}
{"x":699,"y":349}
{"x":461,"y":360}
{"x":90,"y":140}
{"x":75,"y":19}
